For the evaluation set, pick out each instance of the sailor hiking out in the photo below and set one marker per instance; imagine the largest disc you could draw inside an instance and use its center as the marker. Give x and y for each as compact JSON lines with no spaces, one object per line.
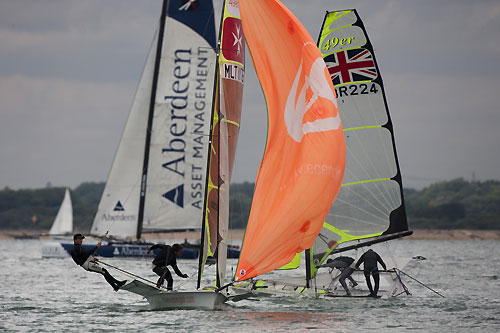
{"x":167,"y":256}
{"x":90,"y":263}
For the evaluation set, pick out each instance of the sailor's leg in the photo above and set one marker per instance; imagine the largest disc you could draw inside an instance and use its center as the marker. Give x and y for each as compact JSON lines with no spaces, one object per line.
{"x":376,"y":278}
{"x":160,"y":271}
{"x":111,"y":280}
{"x":345,"y":273}
{"x":170,"y":280}
{"x":349,"y":272}
{"x":368,"y":282}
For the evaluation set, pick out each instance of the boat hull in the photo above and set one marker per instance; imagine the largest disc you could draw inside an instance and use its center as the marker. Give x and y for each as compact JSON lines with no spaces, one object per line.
{"x":327,"y":285}
{"x":160,"y":299}
{"x":63,"y":250}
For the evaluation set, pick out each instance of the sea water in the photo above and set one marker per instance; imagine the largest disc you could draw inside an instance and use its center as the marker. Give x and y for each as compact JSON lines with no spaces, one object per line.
{"x":55,"y":295}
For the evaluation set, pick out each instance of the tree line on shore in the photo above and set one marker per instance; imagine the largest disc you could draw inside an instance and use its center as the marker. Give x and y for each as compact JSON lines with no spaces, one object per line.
{"x":454,"y":204}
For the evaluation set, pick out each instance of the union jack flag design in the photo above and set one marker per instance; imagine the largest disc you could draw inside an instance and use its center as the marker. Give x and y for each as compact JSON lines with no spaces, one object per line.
{"x":351,"y":66}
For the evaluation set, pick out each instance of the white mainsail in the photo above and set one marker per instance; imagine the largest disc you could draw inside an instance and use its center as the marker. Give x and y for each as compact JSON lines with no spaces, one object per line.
{"x":63,"y":224}
{"x":188,"y":162}
{"x":157,"y":180}
{"x":180,"y":133}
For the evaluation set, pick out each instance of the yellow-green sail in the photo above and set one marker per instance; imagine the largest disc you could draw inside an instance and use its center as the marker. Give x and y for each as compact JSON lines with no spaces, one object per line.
{"x":370,"y":202}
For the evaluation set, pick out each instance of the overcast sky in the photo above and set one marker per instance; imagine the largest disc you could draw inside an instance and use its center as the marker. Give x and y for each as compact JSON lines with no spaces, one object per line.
{"x":69,"y":69}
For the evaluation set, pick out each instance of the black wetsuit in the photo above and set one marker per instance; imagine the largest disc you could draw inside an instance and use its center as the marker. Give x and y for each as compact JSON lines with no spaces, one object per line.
{"x":370,"y":259}
{"x":166,"y":257}
{"x":80,"y":256}
{"x":342,"y":263}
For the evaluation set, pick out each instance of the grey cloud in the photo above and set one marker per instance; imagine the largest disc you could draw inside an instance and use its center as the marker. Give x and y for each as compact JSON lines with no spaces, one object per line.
{"x":68,"y":70}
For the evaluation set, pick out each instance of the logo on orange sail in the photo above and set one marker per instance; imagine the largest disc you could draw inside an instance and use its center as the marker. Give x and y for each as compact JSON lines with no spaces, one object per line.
{"x":313,"y":91}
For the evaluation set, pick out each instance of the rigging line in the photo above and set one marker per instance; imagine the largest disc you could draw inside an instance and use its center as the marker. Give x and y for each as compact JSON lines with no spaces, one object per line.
{"x":182,"y":284}
{"x":391,"y":253}
{"x":224,"y":286}
{"x":426,"y":286}
{"x":370,"y":204}
{"x":366,"y":153}
{"x":402,"y":284}
{"x":128,"y":273}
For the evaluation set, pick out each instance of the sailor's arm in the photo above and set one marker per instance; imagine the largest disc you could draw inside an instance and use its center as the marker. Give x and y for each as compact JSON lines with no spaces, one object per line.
{"x":379,"y":259}
{"x":361,"y":259}
{"x":178,"y":272}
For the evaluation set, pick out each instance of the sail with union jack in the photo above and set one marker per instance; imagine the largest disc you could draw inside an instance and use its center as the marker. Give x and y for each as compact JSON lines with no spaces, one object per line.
{"x":370,"y":204}
{"x":351,"y":66}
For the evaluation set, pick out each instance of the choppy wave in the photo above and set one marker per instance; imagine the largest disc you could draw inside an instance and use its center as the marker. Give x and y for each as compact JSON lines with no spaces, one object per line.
{"x":55,"y":295}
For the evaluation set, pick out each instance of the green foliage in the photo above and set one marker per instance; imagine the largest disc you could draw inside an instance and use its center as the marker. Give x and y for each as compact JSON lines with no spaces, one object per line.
{"x":455,"y":204}
{"x":239,"y":204}
{"x":18,"y":209}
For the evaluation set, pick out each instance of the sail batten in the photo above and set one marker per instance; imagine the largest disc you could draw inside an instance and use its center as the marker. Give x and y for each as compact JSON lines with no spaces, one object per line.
{"x":370,"y":203}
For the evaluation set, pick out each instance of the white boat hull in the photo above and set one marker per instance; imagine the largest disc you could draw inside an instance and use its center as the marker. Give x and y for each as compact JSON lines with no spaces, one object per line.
{"x":54,"y":250}
{"x":324,"y":286}
{"x":163,"y":299}
{"x":327,"y":285}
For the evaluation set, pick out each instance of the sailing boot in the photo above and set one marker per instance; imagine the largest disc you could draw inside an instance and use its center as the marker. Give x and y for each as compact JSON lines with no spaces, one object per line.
{"x":120,"y":284}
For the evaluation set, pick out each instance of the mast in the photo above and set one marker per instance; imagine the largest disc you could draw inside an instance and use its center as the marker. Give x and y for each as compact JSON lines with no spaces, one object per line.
{"x":215,"y":108}
{"x":217,"y":101}
{"x":309,"y":253}
{"x":144,"y":176}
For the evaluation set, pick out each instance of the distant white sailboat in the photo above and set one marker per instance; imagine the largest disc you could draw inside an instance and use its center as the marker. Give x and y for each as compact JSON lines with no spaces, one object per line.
{"x":63,"y":224}
{"x":62,"y":228}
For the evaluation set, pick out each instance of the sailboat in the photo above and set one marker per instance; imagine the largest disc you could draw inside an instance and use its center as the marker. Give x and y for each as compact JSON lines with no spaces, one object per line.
{"x":61,"y":227}
{"x":370,"y":206}
{"x":303,"y":165}
{"x":63,"y":224}
{"x":296,"y":182}
{"x":158,"y":177}
{"x":210,"y":167}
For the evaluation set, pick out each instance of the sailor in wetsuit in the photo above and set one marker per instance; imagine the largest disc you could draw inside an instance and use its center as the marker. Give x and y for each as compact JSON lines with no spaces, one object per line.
{"x":89,"y":263}
{"x":167,"y":256}
{"x":370,"y":259}
{"x":344,"y":264}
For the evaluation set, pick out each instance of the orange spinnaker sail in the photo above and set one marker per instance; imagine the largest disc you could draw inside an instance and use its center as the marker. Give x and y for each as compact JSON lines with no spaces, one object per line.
{"x":303,"y":165}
